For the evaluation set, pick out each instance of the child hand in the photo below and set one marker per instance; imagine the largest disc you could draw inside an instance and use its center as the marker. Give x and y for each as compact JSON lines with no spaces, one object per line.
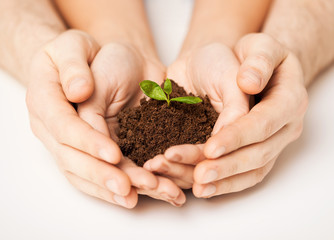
{"x":117,"y":69}
{"x":209,"y":70}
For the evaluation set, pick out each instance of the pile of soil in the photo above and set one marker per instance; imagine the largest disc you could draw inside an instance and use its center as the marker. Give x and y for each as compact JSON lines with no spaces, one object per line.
{"x":152,"y":127}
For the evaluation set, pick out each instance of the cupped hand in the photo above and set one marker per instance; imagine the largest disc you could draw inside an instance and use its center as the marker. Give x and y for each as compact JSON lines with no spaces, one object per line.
{"x":60,"y":74}
{"x":117,"y":69}
{"x":208,"y":70}
{"x":242,"y":154}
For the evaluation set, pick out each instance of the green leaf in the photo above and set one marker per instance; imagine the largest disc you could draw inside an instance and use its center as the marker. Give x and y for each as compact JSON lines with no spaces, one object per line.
{"x":152,"y":90}
{"x":168,"y":86}
{"x":188,"y":100}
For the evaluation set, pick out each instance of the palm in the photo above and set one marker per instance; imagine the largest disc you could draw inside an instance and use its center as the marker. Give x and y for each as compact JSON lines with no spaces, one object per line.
{"x":117,"y":71}
{"x":211,"y":70}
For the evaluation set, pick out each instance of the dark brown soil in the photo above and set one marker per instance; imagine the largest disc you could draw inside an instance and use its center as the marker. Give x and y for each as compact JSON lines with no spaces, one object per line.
{"x":152,"y":127}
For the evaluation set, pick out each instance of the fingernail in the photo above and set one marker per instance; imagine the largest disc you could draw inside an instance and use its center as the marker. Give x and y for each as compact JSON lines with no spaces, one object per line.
{"x":157,"y":166}
{"x":104,"y":155}
{"x":210,"y":176}
{"x":77,"y":84}
{"x":173,"y":157}
{"x":208,"y":190}
{"x":168,"y":196}
{"x":217,"y":152}
{"x":120,"y":200}
{"x":147,"y":166}
{"x":180,"y":200}
{"x":112,"y":186}
{"x":165,"y":196}
{"x":252,"y":77}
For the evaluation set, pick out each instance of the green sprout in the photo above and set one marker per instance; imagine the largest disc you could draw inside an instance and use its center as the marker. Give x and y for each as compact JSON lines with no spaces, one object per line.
{"x":154,"y":91}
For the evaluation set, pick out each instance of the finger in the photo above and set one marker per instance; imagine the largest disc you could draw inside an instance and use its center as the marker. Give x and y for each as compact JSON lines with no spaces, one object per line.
{"x":160,"y":165}
{"x":265,"y":119}
{"x":129,"y":201}
{"x":186,"y":154}
{"x":245,"y":159}
{"x":98,"y":172}
{"x":230,"y":113}
{"x":72,"y":52}
{"x":83,"y":165}
{"x":166,"y":191}
{"x":180,"y":183}
{"x":232,"y":184}
{"x":259,"y":55}
{"x":63,"y":123}
{"x":139,"y":177}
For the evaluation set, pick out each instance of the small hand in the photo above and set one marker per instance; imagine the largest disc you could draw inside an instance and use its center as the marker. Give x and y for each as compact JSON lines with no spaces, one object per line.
{"x":242,"y":154}
{"x":60,"y":73}
{"x":117,"y":69}
{"x":209,"y":70}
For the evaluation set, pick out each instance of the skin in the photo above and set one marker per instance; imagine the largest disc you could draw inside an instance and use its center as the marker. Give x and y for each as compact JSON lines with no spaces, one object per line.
{"x":281,"y":60}
{"x":127,"y":56}
{"x":208,"y":66}
{"x":43,"y":54}
{"x":278,"y":64}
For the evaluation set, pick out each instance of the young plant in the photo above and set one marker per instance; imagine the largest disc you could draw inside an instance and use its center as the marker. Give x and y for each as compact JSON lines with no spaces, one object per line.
{"x":154,"y":91}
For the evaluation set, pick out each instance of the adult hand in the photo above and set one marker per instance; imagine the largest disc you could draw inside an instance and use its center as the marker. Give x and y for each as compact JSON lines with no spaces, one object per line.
{"x":209,"y":70}
{"x":60,"y":74}
{"x":242,"y":154}
{"x":118,"y":68}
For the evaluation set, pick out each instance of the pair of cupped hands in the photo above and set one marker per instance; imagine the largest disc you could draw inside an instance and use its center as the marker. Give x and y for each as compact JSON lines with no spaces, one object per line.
{"x":103,"y":80}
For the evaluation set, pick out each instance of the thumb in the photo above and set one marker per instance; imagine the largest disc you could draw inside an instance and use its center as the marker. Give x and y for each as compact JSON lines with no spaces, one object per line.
{"x":72,"y":52}
{"x":259,"y":55}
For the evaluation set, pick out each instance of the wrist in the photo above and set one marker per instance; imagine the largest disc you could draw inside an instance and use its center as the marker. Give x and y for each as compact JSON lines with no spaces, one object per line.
{"x":46,"y":34}
{"x":217,"y":33}
{"x":24,"y":48}
{"x":224,"y":22}
{"x":137,"y":37}
{"x":293,"y":47}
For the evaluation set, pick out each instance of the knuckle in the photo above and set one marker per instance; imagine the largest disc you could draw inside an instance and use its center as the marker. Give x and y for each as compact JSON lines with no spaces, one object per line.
{"x":264,"y":157}
{"x":62,"y":162}
{"x":263,"y":63}
{"x":303,"y":102}
{"x":57,"y":130}
{"x":261,"y":124}
{"x":163,"y":167}
{"x":103,"y":194}
{"x":34,"y":128}
{"x":259,"y":175}
{"x":226,"y":186}
{"x":234,"y":135}
{"x":61,"y":165}
{"x":92,"y":173}
{"x":297,"y":131}
{"x":71,"y":179}
{"x":29,"y":99}
{"x":267,"y":128}
{"x":232,"y":169}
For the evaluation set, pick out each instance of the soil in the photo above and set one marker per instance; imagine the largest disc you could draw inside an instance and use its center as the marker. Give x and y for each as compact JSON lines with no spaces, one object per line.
{"x":152,"y":127}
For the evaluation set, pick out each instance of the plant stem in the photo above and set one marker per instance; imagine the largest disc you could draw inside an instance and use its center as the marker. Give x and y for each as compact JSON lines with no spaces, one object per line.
{"x":168,"y":100}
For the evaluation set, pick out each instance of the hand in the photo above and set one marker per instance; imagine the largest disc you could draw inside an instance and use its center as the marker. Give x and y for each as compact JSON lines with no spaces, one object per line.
{"x":242,"y":154}
{"x":117,"y":69}
{"x":209,"y":70}
{"x":60,"y":74}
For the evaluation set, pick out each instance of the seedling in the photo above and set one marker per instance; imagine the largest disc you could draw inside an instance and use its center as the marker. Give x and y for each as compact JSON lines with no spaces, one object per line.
{"x":154,"y":91}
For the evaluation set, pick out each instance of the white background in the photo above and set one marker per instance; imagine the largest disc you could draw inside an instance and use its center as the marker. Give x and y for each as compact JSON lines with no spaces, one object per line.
{"x":296,"y":201}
